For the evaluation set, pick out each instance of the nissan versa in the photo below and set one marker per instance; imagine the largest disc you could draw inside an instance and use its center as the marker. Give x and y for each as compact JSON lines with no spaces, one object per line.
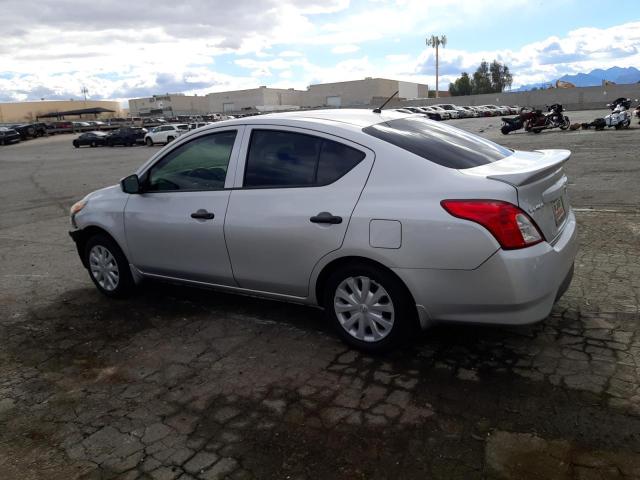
{"x":387,"y":220}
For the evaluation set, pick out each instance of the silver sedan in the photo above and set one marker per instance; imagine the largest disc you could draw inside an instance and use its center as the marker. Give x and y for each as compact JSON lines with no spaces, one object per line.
{"x":387,"y":220}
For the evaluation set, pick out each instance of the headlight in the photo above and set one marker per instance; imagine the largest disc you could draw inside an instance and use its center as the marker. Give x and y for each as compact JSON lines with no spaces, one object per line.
{"x":76,"y":207}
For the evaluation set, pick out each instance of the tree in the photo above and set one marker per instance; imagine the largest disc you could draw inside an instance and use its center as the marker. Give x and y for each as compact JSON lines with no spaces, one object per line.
{"x":501,"y":78}
{"x":462,"y":85}
{"x":482,"y":79}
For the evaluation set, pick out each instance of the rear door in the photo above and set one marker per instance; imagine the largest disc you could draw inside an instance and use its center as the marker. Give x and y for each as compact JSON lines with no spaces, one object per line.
{"x":295,"y":192}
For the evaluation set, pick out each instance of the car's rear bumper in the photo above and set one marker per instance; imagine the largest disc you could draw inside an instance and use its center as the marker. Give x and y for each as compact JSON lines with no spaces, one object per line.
{"x":512,"y":287}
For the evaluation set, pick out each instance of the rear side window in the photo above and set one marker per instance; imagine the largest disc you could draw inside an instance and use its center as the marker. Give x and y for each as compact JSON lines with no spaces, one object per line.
{"x":441,"y":144}
{"x":289,"y":159}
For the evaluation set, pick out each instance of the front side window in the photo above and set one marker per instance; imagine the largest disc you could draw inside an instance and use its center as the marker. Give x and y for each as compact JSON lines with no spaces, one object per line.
{"x":441,"y":144}
{"x":200,"y":164}
{"x":288,"y":159}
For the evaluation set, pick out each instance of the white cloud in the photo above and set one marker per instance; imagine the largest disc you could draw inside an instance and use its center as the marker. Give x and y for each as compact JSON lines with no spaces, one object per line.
{"x":340,"y":49}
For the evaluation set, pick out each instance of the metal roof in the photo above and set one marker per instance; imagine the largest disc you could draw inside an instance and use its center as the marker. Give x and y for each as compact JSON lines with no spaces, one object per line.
{"x":82,"y":111}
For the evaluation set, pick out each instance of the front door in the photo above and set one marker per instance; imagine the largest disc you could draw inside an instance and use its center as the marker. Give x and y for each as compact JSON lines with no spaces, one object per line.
{"x":292,"y":205}
{"x":175,"y":228}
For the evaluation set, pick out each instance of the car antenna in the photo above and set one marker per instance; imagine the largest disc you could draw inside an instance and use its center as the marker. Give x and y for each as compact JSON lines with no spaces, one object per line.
{"x":379,"y":109}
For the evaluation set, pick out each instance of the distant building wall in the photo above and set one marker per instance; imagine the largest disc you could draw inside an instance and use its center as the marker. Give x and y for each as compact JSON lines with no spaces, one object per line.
{"x":239,"y":100}
{"x":18,"y":112}
{"x":579,"y":98}
{"x":168,"y":105}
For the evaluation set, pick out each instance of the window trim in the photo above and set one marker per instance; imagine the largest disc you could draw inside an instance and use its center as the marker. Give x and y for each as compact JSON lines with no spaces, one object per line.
{"x":241,"y":176}
{"x":231,"y":166}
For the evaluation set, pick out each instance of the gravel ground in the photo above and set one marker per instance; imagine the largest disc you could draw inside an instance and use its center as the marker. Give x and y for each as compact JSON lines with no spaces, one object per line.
{"x":186,"y":383}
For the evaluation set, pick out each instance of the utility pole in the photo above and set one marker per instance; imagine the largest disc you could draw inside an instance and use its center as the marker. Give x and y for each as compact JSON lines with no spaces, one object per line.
{"x":435,"y":42}
{"x":84,"y":92}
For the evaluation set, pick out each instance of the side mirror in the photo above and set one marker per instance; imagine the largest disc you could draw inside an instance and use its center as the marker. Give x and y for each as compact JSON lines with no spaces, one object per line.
{"x":131,"y":184}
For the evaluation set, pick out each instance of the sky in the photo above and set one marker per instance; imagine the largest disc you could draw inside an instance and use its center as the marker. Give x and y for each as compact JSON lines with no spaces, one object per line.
{"x":120,"y":50}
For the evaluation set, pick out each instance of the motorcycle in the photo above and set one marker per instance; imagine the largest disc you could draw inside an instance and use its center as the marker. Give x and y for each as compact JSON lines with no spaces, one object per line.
{"x":553,"y":119}
{"x":535,"y":121}
{"x":620,"y":117}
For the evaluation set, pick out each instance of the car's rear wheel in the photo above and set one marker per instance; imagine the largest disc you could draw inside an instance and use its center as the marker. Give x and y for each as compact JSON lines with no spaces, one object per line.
{"x":369,"y":307}
{"x":108,"y":267}
{"x":149,"y":142}
{"x":170,"y":139}
{"x":76,"y":144}
{"x":93,"y":144}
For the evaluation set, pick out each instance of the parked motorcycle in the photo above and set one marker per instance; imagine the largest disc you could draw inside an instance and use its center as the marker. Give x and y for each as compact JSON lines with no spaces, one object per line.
{"x":553,"y":119}
{"x":620,"y":117}
{"x":535,"y":121}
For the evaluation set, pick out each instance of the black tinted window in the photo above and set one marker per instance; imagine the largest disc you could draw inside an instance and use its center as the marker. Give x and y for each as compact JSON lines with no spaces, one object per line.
{"x":335,"y":161}
{"x":200,"y":164}
{"x":441,"y":144}
{"x":285,"y":159}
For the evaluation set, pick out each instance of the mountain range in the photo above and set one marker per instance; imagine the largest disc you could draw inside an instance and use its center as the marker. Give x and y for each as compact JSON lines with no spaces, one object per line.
{"x":592,"y":79}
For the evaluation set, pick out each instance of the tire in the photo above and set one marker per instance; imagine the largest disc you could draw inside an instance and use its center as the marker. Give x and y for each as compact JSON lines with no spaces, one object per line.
{"x":395,"y":306}
{"x":536,"y":130}
{"x":505,"y":129}
{"x":618,"y":126}
{"x":170,"y":139}
{"x":149,"y":142}
{"x":76,"y":144}
{"x":93,"y":145}
{"x":103,"y":255}
{"x":565,"y":123}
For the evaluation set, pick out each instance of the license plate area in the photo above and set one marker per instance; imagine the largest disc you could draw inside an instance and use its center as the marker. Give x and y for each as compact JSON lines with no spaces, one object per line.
{"x":559,"y":212}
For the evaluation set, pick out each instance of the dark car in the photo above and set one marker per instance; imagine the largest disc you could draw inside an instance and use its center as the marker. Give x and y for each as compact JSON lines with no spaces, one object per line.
{"x":126,"y":136}
{"x":91,"y":139}
{"x":8,"y":135}
{"x":30,"y":130}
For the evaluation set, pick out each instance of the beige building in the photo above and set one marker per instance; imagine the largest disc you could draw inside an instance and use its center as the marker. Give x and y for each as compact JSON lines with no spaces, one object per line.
{"x":30,"y":111}
{"x":168,"y":105}
{"x":360,"y":92}
{"x":263,"y":99}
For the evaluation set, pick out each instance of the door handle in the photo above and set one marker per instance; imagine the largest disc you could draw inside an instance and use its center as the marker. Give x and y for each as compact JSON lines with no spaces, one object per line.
{"x":326,"y":217}
{"x":202,"y":214}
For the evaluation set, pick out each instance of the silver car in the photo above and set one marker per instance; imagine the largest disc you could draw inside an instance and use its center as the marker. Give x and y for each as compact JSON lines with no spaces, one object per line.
{"x":389,"y":221}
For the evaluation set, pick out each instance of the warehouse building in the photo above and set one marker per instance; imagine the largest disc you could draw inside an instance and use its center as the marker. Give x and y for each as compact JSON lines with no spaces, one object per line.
{"x":356,"y":93}
{"x":23,"y":112}
{"x":168,"y":105}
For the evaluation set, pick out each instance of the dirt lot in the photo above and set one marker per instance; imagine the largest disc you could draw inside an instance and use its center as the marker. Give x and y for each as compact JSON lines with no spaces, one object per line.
{"x":186,"y":383}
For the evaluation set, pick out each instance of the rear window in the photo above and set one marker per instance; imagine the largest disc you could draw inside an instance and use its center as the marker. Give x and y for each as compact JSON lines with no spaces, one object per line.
{"x":441,"y":144}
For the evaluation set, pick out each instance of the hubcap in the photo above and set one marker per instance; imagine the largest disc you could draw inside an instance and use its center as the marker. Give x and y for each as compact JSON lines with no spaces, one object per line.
{"x":104,"y":268}
{"x":364,"y":309}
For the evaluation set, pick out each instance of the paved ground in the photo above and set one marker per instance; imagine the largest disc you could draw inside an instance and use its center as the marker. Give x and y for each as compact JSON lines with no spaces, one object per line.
{"x":185,"y":383}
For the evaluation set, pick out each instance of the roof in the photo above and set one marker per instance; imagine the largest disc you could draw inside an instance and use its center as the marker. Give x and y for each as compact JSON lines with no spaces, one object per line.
{"x":82,"y":111}
{"x":359,"y":117}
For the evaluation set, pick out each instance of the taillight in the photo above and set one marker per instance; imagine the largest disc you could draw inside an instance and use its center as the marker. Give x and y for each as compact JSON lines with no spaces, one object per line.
{"x":511,"y":226}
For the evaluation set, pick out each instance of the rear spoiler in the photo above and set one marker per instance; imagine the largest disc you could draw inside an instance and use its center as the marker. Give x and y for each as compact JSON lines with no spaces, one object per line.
{"x":522,"y":167}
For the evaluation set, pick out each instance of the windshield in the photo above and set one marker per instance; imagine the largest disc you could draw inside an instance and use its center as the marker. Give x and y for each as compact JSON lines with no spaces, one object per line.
{"x":441,"y":144}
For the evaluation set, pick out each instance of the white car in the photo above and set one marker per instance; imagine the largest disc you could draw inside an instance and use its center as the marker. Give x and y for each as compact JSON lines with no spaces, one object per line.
{"x":165,"y":133}
{"x":388,"y":220}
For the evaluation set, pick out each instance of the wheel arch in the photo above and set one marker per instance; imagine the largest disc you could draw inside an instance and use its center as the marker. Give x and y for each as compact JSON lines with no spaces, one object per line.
{"x":340,"y":262}
{"x":82,"y":237}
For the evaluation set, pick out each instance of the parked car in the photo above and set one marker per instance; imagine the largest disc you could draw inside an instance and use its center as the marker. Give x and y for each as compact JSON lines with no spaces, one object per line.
{"x":80,"y":125}
{"x":193,"y":126}
{"x":471,"y":112}
{"x":30,"y":130}
{"x":492,"y":110}
{"x":127,"y":136}
{"x":451,"y":109}
{"x":446,"y":115}
{"x":165,"y":133}
{"x":443,"y":226}
{"x":8,"y":136}
{"x":91,"y":139}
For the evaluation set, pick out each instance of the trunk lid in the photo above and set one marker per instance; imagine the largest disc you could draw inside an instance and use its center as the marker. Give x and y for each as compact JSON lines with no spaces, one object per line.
{"x":540,"y":182}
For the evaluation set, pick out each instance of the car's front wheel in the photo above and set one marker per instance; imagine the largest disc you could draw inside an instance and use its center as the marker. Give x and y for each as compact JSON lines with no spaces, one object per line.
{"x":149,"y":142}
{"x":108,"y":267}
{"x":369,"y":307}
